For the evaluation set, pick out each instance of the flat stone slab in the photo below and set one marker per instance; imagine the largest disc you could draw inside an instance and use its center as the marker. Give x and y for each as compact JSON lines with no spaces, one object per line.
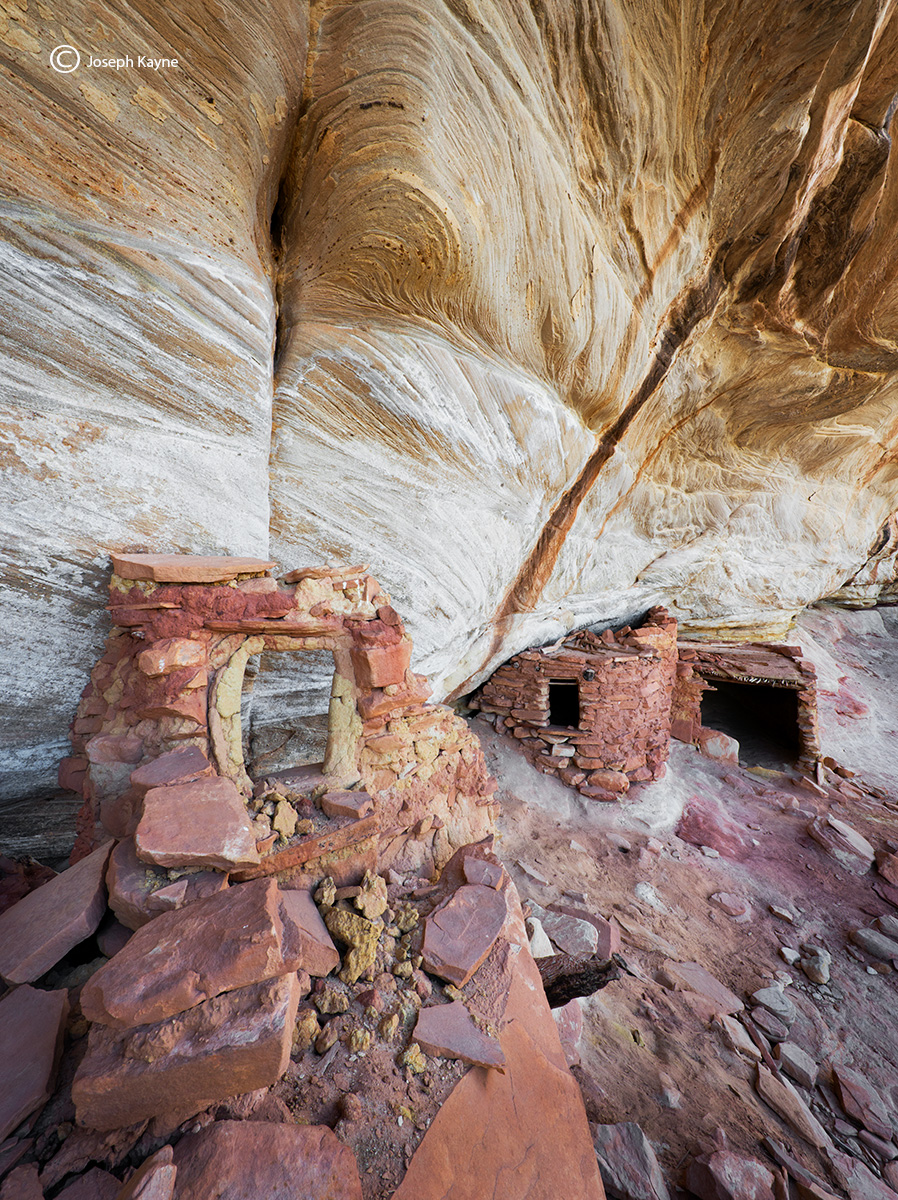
{"x":94,"y":1184}
{"x":448,"y":1031}
{"x":180,"y":959}
{"x":459,"y":935}
{"x":187,"y":568}
{"x":347,"y":804}
{"x":229,"y":1045}
{"x":44,"y":926}
{"x":317,"y":953}
{"x":184,"y":765}
{"x":784,"y":1099}
{"x":696,"y":978}
{"x":248,"y":1160}
{"x":844,"y":844}
{"x":32,"y":1023}
{"x":137,"y":889}
{"x":201,"y":824}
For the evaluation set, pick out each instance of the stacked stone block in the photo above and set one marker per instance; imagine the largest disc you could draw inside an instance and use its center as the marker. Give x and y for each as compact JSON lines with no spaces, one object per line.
{"x":624,"y":682}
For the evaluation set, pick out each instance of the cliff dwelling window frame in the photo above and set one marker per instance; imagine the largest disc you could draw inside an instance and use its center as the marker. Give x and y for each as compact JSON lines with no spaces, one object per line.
{"x":564,"y":703}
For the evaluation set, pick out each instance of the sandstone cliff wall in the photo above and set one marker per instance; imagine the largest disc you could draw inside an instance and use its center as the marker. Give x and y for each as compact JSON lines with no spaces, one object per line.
{"x":548,"y":311}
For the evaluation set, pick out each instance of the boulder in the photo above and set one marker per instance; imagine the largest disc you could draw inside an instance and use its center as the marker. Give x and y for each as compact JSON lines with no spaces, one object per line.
{"x":461,"y":932}
{"x":627,"y":1162}
{"x":199,"y":824}
{"x":448,"y":1031}
{"x":797,"y":1064}
{"x":775,"y":1000}
{"x":44,"y":925}
{"x":229,"y":1045}
{"x":718,"y":746}
{"x":876,"y":944}
{"x":727,"y":1176}
{"x":32,"y":1024}
{"x":704,"y":823}
{"x":239,"y":937}
{"x":572,"y":935}
{"x":253,"y":1160}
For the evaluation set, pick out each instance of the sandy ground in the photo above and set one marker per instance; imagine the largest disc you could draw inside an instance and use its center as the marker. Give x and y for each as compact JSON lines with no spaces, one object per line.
{"x":646,"y":1054}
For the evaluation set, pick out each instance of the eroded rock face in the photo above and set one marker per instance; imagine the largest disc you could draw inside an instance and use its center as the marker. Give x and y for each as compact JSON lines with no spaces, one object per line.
{"x":623,"y":330}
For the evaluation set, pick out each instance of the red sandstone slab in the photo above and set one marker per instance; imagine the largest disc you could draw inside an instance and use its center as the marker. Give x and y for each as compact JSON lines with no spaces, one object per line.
{"x":184,"y":765}
{"x":44,"y":926}
{"x":227,"y":1046}
{"x":171,"y":654}
{"x":201,"y":824}
{"x":448,"y":1031}
{"x":305,"y":934}
{"x":187,"y":568}
{"x":379,"y":666}
{"x":249,"y":1160}
{"x":183,"y":958}
{"x":460,"y":934}
{"x":134,"y":885}
{"x":94,"y":1184}
{"x":347,"y":804}
{"x":22,"y":1184}
{"x":32,"y":1023}
{"x":154,"y":1179}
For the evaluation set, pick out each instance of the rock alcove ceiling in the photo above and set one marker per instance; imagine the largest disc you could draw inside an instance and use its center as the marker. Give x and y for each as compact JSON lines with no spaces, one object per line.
{"x":550,"y":312}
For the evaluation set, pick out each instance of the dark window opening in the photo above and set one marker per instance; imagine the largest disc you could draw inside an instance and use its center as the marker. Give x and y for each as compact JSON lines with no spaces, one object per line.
{"x":564,"y":703}
{"x":762,"y":719}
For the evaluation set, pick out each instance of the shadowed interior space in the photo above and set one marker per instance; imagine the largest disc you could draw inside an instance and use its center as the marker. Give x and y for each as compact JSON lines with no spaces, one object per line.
{"x":564,"y":703}
{"x":762,"y":719}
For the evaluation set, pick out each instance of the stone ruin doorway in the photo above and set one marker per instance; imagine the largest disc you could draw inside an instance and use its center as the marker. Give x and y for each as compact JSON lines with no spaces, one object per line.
{"x":285,"y":710}
{"x":761,"y":694}
{"x":564,"y":703}
{"x":763,"y":720}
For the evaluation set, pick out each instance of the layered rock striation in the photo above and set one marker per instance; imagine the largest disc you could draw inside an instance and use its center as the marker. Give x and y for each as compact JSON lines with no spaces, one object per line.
{"x":551,"y":312}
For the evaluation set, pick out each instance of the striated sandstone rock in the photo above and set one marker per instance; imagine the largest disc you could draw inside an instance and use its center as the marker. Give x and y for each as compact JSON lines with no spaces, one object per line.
{"x":229,"y":1045}
{"x":248,"y":1160}
{"x":38,"y":931}
{"x":785,"y":1101}
{"x":862,"y":1102}
{"x":648,"y":309}
{"x":242,"y":936}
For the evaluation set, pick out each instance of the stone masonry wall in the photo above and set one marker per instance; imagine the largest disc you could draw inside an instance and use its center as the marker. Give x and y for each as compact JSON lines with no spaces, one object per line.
{"x":625,"y":681}
{"x":172,"y":676}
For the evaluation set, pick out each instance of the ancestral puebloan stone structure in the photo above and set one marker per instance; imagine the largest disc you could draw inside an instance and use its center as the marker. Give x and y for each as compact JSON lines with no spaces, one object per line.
{"x":599,"y":710}
{"x":594,"y":709}
{"x":705,"y":665}
{"x":403,"y":781}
